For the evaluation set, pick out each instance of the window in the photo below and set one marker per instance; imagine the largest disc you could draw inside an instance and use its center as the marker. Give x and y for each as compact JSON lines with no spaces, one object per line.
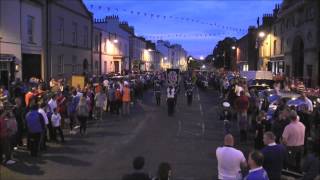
{"x":85,"y":38}
{"x":96,"y":43}
{"x":105,"y":45}
{"x":96,"y":64}
{"x":61,"y":29}
{"x":274,"y":47}
{"x":60,"y":64}
{"x":105,"y":66}
{"x":74,"y":33}
{"x":281,"y":46}
{"x":30,"y":28}
{"x":74,"y":64}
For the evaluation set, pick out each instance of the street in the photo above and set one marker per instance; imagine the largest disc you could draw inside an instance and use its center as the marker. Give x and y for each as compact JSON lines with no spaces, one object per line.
{"x":187,"y":141}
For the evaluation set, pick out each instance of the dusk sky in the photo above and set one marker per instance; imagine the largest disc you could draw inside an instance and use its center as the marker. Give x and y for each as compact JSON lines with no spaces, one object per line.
{"x":195,"y":24}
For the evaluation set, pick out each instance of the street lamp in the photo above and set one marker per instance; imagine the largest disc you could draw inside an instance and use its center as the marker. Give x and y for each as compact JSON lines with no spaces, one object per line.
{"x":262,"y":34}
{"x":150,"y":50}
{"x":213,"y":59}
{"x":201,"y":58}
{"x":115,"y":41}
{"x":233,"y":47}
{"x":165,"y":58}
{"x":203,"y":66}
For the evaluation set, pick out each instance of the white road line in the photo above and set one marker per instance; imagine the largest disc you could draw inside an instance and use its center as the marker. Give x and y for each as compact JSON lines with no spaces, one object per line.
{"x":201,"y":110}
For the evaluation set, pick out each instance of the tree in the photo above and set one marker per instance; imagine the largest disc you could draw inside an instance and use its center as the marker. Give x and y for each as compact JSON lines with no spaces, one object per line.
{"x":224,"y":54}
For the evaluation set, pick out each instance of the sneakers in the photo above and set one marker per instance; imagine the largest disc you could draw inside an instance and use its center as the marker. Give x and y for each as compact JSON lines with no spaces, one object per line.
{"x":9,"y":162}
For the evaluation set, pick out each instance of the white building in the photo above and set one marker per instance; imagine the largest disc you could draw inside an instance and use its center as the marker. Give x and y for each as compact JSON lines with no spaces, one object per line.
{"x":174,"y":56}
{"x":114,"y":46}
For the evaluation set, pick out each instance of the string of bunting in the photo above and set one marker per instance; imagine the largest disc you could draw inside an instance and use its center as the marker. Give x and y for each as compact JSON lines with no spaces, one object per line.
{"x":182,"y":36}
{"x":166,"y":17}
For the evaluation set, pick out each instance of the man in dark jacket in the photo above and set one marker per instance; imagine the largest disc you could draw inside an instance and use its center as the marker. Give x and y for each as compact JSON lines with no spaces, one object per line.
{"x":35,"y":126}
{"x":138,"y":164}
{"x":274,"y":156}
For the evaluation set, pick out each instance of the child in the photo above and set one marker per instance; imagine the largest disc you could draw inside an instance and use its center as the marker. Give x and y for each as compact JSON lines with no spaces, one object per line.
{"x":56,"y":124}
{"x":226,"y":117}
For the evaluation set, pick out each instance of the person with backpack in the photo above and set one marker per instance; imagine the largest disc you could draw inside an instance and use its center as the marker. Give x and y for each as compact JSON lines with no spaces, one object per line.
{"x":82,"y":112}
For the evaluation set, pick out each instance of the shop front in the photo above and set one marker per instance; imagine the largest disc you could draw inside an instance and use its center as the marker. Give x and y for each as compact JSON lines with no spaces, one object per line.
{"x":7,"y":69}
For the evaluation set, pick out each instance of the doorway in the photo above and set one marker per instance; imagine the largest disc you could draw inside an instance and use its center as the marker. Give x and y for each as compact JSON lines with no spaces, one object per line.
{"x":4,"y":78}
{"x":116,"y":66}
{"x":31,"y":66}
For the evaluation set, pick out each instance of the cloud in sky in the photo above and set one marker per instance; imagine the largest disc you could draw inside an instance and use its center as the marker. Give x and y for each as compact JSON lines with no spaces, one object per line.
{"x":234,"y":13}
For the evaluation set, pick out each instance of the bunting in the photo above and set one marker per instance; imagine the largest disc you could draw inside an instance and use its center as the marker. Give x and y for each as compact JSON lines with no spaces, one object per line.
{"x":166,"y":17}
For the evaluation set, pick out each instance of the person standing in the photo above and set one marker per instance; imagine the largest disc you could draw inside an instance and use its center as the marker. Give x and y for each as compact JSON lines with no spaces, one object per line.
{"x":256,"y":171}
{"x":111,"y":99}
{"x":293,"y":137}
{"x":5,"y":138}
{"x":230,"y":160}
{"x":35,"y":126}
{"x":19,"y":113}
{"x":242,"y":105}
{"x":53,"y":103}
{"x":99,"y":99}
{"x":83,"y":114}
{"x":126,"y":99}
{"x":56,"y":124}
{"x":118,"y":99}
{"x":157,"y":92}
{"x":274,"y":156}
{"x":44,"y":137}
{"x":189,"y":94}
{"x":170,"y":100}
{"x":72,"y":105}
{"x":259,"y":130}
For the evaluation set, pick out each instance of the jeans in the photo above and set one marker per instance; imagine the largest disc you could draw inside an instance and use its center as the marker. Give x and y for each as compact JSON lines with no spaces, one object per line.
{"x":83,"y":124}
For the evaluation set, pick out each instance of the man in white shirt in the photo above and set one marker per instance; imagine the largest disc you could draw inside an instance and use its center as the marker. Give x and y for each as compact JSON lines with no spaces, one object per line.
{"x":308,"y":102}
{"x":53,"y":103}
{"x":230,"y":160}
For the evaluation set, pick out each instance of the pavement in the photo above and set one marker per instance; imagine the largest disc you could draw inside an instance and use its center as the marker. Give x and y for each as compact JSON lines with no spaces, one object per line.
{"x":187,"y":141}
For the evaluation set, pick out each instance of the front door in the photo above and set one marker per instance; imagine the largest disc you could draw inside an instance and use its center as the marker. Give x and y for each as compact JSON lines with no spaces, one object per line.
{"x":4,"y":78}
{"x":31,"y":66}
{"x":116,"y":66}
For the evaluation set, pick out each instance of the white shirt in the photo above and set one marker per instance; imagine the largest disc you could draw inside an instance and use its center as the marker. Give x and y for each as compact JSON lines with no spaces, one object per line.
{"x":44,"y":115}
{"x":229,"y":160}
{"x":105,"y":83}
{"x":309,"y":104}
{"x":170,"y":94}
{"x":56,"y":120}
{"x":52,"y":104}
{"x":255,"y":169}
{"x":238,"y":89}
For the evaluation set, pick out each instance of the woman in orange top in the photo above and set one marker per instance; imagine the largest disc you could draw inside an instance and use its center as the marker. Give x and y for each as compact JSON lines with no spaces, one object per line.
{"x":126,"y":98}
